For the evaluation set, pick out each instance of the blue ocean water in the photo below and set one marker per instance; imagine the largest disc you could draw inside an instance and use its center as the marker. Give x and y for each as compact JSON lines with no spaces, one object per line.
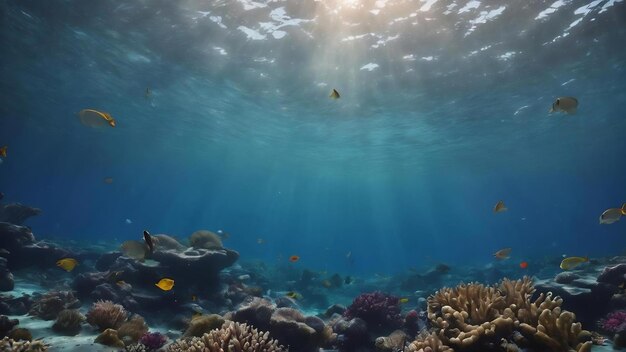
{"x":443,"y":112}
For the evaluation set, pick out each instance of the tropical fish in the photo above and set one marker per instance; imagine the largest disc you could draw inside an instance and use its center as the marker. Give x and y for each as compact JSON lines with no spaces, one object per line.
{"x":128,"y":221}
{"x":67,"y":264}
{"x":403,"y":300}
{"x":94,"y":118}
{"x":294,"y":258}
{"x":504,"y":253}
{"x":612,"y":215}
{"x":565,"y":104}
{"x":148,"y":239}
{"x":134,"y":249}
{"x":293,"y":295}
{"x":3,"y":151}
{"x":165,"y":284}
{"x":500,"y":207}
{"x":335,"y":94}
{"x":572,"y":262}
{"x":260,"y":241}
{"x":523,"y":265}
{"x":108,"y":180}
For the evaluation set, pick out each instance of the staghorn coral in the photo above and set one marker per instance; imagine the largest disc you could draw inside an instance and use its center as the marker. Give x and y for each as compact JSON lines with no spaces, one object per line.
{"x":68,"y":322}
{"x":48,"y":306}
{"x":379,"y":310}
{"x":474,"y":316}
{"x":106,"y":314}
{"x":232,"y":337}
{"x":8,"y":345}
{"x":132,"y":330}
{"x":205,"y":239}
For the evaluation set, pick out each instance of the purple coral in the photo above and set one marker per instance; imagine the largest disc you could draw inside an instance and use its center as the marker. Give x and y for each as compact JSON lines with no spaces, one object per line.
{"x":153,"y":340}
{"x":614,"y":322}
{"x":377,"y":309}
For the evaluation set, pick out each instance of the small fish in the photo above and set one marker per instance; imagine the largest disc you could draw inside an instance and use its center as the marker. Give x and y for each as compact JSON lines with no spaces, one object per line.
{"x":523,"y":265}
{"x":403,"y":300}
{"x":128,"y":221}
{"x":148,"y":239}
{"x":293,"y":295}
{"x":335,"y":94}
{"x":572,"y":262}
{"x":565,"y":104}
{"x":108,"y":180}
{"x":165,"y":284}
{"x":294,"y":258}
{"x":504,"y":253}
{"x":67,"y":264}
{"x":3,"y":151}
{"x":612,"y":215}
{"x":260,"y":241}
{"x":500,"y":207}
{"x":243,"y":277}
{"x":95,"y":118}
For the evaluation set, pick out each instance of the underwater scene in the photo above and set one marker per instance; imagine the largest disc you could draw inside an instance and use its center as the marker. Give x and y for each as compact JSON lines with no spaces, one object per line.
{"x":312,"y":175}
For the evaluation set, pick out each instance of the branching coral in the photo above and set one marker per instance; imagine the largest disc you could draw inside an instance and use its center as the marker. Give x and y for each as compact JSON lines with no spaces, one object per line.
{"x":106,"y":314}
{"x":233,"y":337}
{"x":8,"y":345}
{"x":48,"y":306}
{"x":68,"y":322}
{"x":473,"y":315}
{"x":377,"y":309}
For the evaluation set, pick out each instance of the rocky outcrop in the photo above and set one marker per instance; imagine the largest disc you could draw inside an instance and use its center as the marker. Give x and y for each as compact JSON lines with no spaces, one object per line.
{"x":17,"y":213}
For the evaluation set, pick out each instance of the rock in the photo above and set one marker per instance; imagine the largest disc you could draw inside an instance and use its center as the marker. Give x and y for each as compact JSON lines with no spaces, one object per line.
{"x":6,"y":325}
{"x":13,"y":237}
{"x":335,"y":308}
{"x":17,"y":213}
{"x":106,"y":260}
{"x":394,"y":342}
{"x":41,"y":254}
{"x":613,"y":275}
{"x":109,"y":338}
{"x":256,"y":312}
{"x":15,"y":306}
{"x":85,"y":283}
{"x":6,"y":278}
{"x":288,"y":326}
{"x":285,"y":302}
{"x":565,"y":277}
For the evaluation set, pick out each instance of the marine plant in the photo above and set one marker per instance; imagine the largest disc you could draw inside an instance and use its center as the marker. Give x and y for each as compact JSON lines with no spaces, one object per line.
{"x":153,"y":340}
{"x":379,"y":310}
{"x":106,"y":314}
{"x":68,"y":322}
{"x":614,"y":321}
{"x":232,"y":336}
{"x":49,"y":305}
{"x":474,"y":317}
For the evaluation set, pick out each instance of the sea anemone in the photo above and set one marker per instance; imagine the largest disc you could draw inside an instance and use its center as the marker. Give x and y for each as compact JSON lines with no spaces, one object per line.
{"x":68,"y":322}
{"x":133,"y":329}
{"x":106,"y":314}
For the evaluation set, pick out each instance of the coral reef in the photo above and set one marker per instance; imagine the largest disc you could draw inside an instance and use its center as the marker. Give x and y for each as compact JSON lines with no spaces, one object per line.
{"x":109,"y":338}
{"x":199,"y":325}
{"x":68,"y":322}
{"x":205,"y":239}
{"x":6,"y":324}
{"x":49,"y":305}
{"x":106,"y":314}
{"x":379,"y":310}
{"x":9,"y":345}
{"x":153,"y":340}
{"x":20,"y":334}
{"x":232,"y":337}
{"x":614,"y":321}
{"x":477,"y":317}
{"x":132,"y":330}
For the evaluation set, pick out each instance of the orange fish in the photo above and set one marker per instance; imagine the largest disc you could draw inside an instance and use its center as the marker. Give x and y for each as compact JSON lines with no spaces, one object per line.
{"x":294,"y":258}
{"x":503,"y":253}
{"x":523,"y":265}
{"x":3,"y":151}
{"x":500,"y":207}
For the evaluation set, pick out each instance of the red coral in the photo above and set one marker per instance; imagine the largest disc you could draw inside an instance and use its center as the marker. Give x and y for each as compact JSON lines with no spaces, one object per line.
{"x":377,"y":309}
{"x":614,"y":322}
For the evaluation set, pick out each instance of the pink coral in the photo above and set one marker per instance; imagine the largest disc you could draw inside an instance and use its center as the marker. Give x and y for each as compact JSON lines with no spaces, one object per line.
{"x":614,"y":321}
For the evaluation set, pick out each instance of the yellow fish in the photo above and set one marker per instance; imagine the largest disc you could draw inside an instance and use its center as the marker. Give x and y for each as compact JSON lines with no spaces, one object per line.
{"x":403,"y":300}
{"x":293,"y":295}
{"x":3,"y":151}
{"x":572,"y":262}
{"x":500,"y":207}
{"x":67,"y":264}
{"x":260,"y":241}
{"x":165,"y":284}
{"x":503,"y":253}
{"x":612,"y":215}
{"x":94,"y":118}
{"x":335,"y":94}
